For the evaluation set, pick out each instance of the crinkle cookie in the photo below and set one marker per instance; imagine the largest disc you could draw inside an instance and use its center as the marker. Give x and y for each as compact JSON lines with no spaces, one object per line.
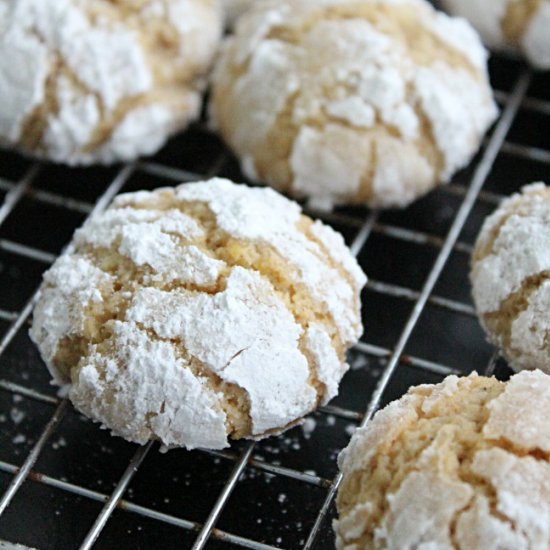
{"x":95,"y":81}
{"x":511,"y":278}
{"x":461,"y":465}
{"x":352,"y":101}
{"x":235,"y":8}
{"x":192,"y":314}
{"x":510,"y":25}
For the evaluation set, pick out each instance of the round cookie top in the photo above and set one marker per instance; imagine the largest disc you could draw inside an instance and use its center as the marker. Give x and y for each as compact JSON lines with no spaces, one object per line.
{"x":352,"y":101}
{"x":190,"y":314}
{"x":462,"y":464}
{"x":510,"y":24}
{"x":511,"y":277}
{"x":101,"y":81}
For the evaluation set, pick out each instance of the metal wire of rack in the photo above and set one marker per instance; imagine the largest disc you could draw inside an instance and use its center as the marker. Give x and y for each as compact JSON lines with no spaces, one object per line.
{"x":66,"y":484}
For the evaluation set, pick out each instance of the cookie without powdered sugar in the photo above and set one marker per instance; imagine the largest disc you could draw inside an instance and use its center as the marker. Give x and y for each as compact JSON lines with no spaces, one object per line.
{"x":192,"y":314}
{"x":510,"y":277}
{"x":371,"y":102}
{"x":91,"y":81}
{"x":461,"y":465}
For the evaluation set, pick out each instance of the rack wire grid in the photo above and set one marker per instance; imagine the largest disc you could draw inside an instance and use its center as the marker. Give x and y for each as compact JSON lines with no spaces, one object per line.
{"x":67,"y":484}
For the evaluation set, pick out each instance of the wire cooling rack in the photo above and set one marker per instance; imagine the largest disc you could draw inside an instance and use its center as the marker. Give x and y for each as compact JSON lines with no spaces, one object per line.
{"x":64,"y":483}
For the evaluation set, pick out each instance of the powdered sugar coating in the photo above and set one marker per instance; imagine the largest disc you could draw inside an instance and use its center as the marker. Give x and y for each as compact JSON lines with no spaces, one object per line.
{"x":457,"y":465}
{"x":234,"y":9}
{"x":512,"y":263}
{"x":408,"y":526}
{"x":256,"y":342}
{"x":327,"y":363}
{"x":484,"y":16}
{"x":150,"y":288}
{"x":264,"y":216}
{"x":452,"y":102}
{"x":315,"y":97}
{"x":535,"y":41}
{"x":490,"y":19}
{"x":66,"y":293}
{"x":90,"y":86}
{"x":477,"y":528}
{"x":529,"y":430}
{"x":155,"y":395}
{"x":522,"y":485}
{"x":385,"y":426}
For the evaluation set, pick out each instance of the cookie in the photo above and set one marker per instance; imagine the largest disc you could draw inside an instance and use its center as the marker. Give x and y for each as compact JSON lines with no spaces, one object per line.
{"x":192,"y":314}
{"x":510,"y":278}
{"x":517,"y":25}
{"x":101,"y":82}
{"x":464,"y":464}
{"x":234,"y":9}
{"x":370,"y":102}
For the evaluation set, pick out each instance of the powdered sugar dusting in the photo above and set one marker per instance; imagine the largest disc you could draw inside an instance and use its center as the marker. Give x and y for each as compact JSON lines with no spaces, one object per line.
{"x":143,"y":130}
{"x":153,"y":396}
{"x":386,"y":425}
{"x":459,"y":114}
{"x":170,"y":320}
{"x":522,"y":485}
{"x":264,"y":216}
{"x":489,"y":487}
{"x":248,"y":324}
{"x":484,"y":16}
{"x":97,"y":68}
{"x":513,"y":416}
{"x":353,"y":110}
{"x":235,"y":8}
{"x":147,"y":244}
{"x":440,"y":392}
{"x":329,"y":367}
{"x":104,"y":230}
{"x":529,"y":331}
{"x":338,"y":251}
{"x":460,"y":35}
{"x":488,"y":19}
{"x":536,"y":40}
{"x":511,"y":260}
{"x":405,"y":526}
{"x":69,"y":287}
{"x":478,"y":528}
{"x":24,"y":67}
{"x":321,"y":157}
{"x":346,"y":85}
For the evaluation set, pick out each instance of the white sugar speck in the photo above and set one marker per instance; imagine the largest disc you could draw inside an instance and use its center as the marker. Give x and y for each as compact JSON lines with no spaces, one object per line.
{"x":308,"y":427}
{"x":350,"y":429}
{"x":17,"y":415}
{"x":61,"y":442}
{"x":359,"y":361}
